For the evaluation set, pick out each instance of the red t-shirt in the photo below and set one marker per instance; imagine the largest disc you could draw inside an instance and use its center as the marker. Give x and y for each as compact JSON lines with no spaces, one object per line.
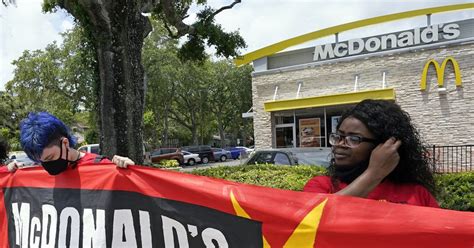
{"x":90,"y":158}
{"x":412,"y":194}
{"x":3,"y":168}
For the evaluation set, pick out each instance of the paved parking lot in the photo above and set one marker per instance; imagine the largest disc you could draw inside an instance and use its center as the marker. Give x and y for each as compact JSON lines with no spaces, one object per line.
{"x":215,"y":164}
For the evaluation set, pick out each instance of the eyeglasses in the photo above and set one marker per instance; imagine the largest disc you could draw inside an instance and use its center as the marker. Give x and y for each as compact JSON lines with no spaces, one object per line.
{"x":349,"y":140}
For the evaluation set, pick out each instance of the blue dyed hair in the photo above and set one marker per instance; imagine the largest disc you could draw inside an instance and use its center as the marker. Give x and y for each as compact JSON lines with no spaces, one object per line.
{"x":39,"y":130}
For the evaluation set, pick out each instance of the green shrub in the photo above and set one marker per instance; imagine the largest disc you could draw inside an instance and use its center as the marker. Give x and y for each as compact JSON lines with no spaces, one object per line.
{"x":455,"y":190}
{"x":166,"y":164}
{"x":282,"y":177}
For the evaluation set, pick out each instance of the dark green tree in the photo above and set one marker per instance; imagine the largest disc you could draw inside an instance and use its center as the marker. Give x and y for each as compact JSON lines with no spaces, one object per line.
{"x":118,"y":29}
{"x":190,"y":105}
{"x":230,"y":93}
{"x":64,"y":75}
{"x":59,"y":79}
{"x":11,"y":112}
{"x":162,"y":68}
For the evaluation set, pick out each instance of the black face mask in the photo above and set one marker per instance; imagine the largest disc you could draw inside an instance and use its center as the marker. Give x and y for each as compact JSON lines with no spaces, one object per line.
{"x":349,"y":174}
{"x":57,"y":166}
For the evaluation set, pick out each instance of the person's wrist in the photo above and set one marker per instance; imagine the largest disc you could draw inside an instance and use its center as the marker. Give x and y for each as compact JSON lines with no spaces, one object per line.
{"x":372,"y":177}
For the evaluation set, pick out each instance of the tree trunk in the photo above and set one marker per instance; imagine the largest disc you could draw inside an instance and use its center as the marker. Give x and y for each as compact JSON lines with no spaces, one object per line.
{"x":194,"y":130}
{"x":221,"y":133}
{"x":118,"y":29}
{"x":165,"y":126}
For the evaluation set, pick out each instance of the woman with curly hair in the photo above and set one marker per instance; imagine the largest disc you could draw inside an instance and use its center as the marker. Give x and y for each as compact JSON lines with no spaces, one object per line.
{"x":378,"y":154}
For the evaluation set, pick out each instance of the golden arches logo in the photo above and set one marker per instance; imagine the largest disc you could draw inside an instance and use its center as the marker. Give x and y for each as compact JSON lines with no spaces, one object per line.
{"x":440,"y":72}
{"x":303,"y":236}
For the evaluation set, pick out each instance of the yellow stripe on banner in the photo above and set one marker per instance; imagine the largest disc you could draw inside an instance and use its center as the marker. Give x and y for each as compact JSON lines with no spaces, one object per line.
{"x":304,"y":236}
{"x":269,"y":50}
{"x":329,"y":100}
{"x":241,"y":212}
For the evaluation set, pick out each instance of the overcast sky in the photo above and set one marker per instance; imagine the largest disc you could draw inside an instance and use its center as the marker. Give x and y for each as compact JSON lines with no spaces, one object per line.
{"x":260,"y":22}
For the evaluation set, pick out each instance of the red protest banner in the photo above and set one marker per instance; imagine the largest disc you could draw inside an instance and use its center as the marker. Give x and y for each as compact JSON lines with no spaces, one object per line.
{"x":102,"y":206}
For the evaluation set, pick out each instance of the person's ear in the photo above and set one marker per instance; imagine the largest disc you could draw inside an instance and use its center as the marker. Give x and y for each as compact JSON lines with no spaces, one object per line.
{"x":66,"y":142}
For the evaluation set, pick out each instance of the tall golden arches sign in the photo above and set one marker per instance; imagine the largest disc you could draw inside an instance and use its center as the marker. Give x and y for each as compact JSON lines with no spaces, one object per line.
{"x":279,"y":46}
{"x":440,"y":72}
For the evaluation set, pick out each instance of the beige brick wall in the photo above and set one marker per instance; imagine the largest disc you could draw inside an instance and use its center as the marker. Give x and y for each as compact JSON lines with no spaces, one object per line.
{"x":441,"y":119}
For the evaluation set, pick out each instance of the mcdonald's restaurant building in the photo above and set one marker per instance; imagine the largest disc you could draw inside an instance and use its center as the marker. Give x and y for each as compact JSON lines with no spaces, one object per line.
{"x":299,"y":96}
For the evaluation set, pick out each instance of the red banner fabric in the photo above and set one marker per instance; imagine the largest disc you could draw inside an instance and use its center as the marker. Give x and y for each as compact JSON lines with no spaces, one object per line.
{"x":104,"y":206}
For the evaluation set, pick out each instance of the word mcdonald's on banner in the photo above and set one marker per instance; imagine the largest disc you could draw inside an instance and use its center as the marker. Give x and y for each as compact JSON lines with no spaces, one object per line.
{"x":102,"y":206}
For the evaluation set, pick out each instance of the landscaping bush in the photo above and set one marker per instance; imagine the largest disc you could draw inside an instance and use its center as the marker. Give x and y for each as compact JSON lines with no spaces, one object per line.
{"x":282,"y":177}
{"x":455,"y":190}
{"x":166,"y":164}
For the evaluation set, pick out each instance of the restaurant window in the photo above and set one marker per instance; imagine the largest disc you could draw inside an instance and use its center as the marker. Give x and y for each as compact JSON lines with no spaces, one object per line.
{"x":306,"y":127}
{"x":310,"y":128}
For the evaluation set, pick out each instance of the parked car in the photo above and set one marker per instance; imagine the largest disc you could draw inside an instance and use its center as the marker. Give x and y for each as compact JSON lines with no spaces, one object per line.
{"x":91,"y":148}
{"x":320,"y":156}
{"x":247,"y":149}
{"x":158,"y":155}
{"x":205,"y":152}
{"x":239,"y":152}
{"x":190,"y":158}
{"x":274,"y":156}
{"x":221,"y":154}
{"x":21,"y":157}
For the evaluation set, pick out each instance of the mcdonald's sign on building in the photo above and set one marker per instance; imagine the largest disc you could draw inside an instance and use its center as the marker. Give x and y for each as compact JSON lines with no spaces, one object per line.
{"x":428,"y":70}
{"x":440,"y":72}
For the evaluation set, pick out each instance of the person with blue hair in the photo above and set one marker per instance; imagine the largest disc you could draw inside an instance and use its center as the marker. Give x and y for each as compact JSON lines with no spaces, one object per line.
{"x":49,"y":142}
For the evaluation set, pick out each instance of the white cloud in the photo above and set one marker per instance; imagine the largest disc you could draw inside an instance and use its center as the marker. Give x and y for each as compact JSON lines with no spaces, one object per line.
{"x":66,"y":25}
{"x":24,"y":26}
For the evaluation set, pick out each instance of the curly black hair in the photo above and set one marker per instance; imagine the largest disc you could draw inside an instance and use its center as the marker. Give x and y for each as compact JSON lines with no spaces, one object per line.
{"x":3,"y":150}
{"x":386,"y":119}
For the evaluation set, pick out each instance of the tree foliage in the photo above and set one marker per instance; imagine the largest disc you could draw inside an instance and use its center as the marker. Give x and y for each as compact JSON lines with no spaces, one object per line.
{"x":64,"y":75}
{"x":59,"y":79}
{"x":203,"y":32}
{"x":191,"y":101}
{"x":162,"y":68}
{"x":231,"y":95}
{"x":118,"y":29}
{"x":178,"y":92}
{"x":11,"y":112}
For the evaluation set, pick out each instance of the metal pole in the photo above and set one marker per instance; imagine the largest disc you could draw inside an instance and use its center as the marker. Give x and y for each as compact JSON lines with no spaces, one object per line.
{"x":299,"y":88}
{"x":383,"y":80}
{"x":326,"y":129}
{"x":356,"y":82}
{"x":275,"y":94}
